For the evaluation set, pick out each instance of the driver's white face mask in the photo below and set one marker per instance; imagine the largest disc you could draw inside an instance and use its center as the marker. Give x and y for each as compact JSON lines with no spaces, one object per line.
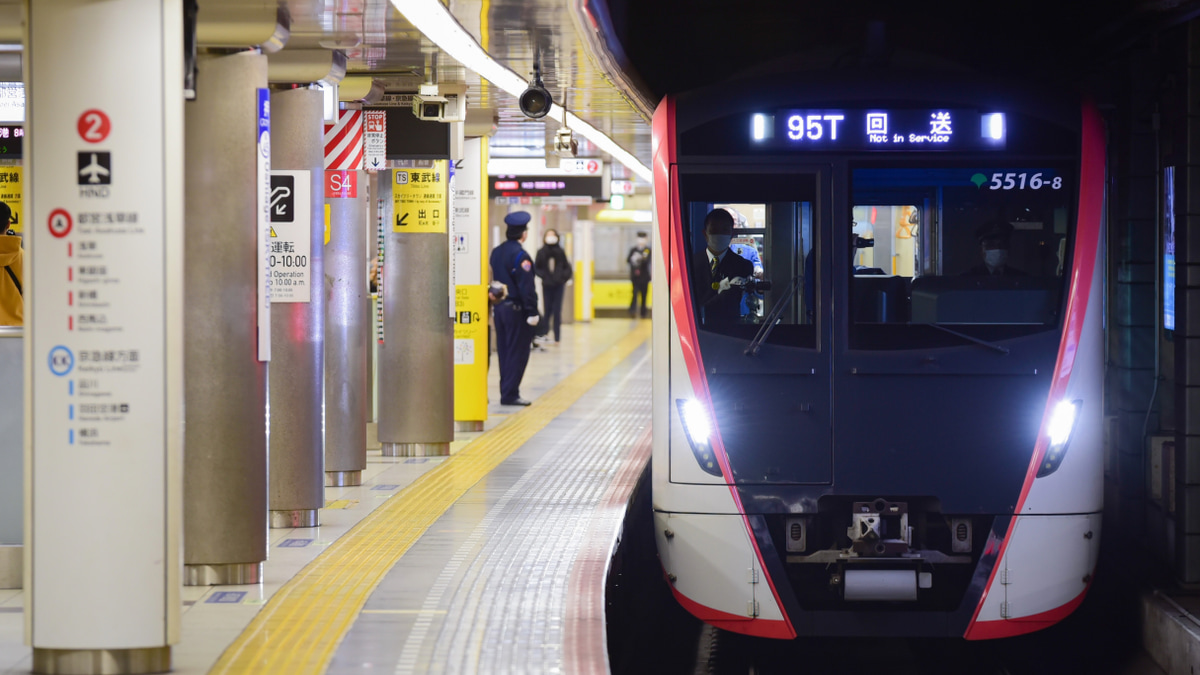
{"x":995,"y":257}
{"x":719,"y":243}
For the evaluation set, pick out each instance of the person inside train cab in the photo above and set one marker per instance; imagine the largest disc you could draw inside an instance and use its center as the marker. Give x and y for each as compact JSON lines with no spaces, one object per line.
{"x":994,"y":239}
{"x":719,"y":274}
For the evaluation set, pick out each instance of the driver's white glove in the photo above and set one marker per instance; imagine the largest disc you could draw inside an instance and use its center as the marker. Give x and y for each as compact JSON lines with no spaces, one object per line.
{"x":533,"y":320}
{"x":724,"y":285}
{"x":738,"y":281}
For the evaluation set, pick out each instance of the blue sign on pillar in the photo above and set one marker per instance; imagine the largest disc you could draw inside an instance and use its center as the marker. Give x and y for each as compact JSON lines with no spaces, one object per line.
{"x":264,"y":224}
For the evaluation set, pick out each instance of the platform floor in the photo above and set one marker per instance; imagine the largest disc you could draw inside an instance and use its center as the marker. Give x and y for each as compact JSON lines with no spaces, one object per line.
{"x":489,"y":560}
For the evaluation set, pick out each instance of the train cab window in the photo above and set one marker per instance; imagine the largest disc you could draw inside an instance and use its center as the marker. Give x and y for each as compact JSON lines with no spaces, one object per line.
{"x":749,"y":241}
{"x":984,"y":250}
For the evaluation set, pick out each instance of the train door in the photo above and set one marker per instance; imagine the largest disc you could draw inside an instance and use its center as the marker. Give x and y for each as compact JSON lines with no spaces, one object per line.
{"x":765,"y":348}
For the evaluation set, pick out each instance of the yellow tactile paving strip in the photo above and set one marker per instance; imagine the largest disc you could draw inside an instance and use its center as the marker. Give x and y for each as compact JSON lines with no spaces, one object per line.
{"x":302,"y":625}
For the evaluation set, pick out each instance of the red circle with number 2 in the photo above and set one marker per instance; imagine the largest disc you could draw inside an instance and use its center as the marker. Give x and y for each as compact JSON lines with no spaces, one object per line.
{"x":93,"y":126}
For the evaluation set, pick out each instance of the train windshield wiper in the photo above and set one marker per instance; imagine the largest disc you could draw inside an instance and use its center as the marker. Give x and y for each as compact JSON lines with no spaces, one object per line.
{"x":970,"y":338}
{"x":772,"y":317}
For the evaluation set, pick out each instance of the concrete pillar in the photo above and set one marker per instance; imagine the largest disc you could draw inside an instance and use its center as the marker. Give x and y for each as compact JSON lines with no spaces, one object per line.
{"x":225,"y":461}
{"x":416,"y":362}
{"x":297,"y":441}
{"x":347,"y":331}
{"x":104,"y":349}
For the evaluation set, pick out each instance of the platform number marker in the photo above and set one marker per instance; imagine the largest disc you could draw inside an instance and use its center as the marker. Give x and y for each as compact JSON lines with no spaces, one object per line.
{"x":94,"y":126}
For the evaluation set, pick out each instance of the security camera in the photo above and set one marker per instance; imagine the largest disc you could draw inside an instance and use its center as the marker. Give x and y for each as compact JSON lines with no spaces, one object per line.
{"x":429,"y":108}
{"x":535,"y":101}
{"x":565,"y":144}
{"x":441,"y":103}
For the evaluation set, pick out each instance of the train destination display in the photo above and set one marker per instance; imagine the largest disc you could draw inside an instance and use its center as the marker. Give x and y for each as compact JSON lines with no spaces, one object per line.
{"x":877,"y":129}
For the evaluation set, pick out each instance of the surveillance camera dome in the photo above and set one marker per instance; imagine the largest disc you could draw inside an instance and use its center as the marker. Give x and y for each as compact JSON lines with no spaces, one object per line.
{"x":535,"y":101}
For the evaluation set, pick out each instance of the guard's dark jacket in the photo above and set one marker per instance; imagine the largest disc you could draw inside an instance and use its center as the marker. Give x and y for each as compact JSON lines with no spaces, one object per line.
{"x":513,"y":267}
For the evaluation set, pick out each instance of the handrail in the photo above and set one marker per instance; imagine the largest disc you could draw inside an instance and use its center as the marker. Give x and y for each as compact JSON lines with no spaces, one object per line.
{"x":12,"y":331}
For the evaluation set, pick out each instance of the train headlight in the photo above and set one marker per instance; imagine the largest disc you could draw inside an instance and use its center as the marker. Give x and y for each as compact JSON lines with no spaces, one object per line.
{"x":1058,"y":435}
{"x":698,"y":427}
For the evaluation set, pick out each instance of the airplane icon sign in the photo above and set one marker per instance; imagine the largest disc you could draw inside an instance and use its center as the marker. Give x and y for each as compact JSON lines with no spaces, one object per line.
{"x":95,"y":168}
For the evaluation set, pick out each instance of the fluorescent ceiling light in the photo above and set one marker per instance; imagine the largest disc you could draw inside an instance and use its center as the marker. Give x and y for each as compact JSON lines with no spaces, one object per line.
{"x":436,"y":23}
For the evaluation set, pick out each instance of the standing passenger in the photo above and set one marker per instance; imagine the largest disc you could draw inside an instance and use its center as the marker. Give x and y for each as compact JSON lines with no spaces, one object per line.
{"x":639,"y":272}
{"x":517,"y":314}
{"x":555,"y":271}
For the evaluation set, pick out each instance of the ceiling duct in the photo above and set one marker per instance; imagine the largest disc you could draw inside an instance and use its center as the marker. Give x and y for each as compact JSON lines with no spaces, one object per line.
{"x":241,"y":23}
{"x":12,"y":23}
{"x":481,"y":122}
{"x":306,"y":65}
{"x":360,"y":88}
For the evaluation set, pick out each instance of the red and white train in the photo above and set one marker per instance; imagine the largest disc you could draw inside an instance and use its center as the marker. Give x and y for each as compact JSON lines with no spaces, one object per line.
{"x":895,"y":425}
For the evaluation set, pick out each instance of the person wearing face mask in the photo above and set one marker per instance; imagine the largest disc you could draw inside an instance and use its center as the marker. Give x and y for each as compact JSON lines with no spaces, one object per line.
{"x":639,"y":272}
{"x":719,"y":274}
{"x":994,"y":238}
{"x":553,"y":268}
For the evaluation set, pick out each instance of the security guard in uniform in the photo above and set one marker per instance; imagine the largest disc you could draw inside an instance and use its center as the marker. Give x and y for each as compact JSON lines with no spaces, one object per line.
{"x":517,"y":314}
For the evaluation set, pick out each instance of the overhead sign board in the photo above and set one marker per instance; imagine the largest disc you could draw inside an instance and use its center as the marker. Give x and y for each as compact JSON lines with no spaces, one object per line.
{"x":546,"y":186}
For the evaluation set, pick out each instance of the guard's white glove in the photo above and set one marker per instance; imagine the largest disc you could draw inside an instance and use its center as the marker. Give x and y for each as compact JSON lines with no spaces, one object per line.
{"x":533,"y":320}
{"x":724,"y":285}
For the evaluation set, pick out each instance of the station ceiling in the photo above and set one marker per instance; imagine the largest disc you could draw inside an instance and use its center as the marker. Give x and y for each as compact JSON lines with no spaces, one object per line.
{"x":611,"y":61}
{"x":377,"y":40}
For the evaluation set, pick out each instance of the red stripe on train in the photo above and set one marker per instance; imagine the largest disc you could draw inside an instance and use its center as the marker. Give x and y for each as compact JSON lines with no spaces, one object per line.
{"x":1087,"y":242}
{"x":666,"y":194}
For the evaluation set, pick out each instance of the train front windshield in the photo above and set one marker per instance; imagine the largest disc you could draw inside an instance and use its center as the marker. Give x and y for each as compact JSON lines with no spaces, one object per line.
{"x":975,"y":249}
{"x":981,"y":249}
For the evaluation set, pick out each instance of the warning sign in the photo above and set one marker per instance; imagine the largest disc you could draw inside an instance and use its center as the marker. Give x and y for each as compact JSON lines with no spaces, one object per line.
{"x":10,"y":193}
{"x":291,"y":237}
{"x":419,"y":198}
{"x":375,"y":139}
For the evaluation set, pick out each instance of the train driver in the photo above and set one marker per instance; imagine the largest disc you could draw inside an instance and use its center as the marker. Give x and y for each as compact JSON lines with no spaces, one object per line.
{"x":994,"y":237}
{"x":719,"y":274}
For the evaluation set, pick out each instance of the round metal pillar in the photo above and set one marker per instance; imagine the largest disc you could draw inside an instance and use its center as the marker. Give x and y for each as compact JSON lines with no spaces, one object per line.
{"x":297,"y":440}
{"x":346,"y":334}
{"x":416,"y":360}
{"x":415,"y":449}
{"x":101,"y":661}
{"x":225,"y":463}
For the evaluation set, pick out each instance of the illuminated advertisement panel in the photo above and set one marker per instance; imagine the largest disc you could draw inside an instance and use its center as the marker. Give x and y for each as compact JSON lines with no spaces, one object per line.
{"x":1168,"y":225}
